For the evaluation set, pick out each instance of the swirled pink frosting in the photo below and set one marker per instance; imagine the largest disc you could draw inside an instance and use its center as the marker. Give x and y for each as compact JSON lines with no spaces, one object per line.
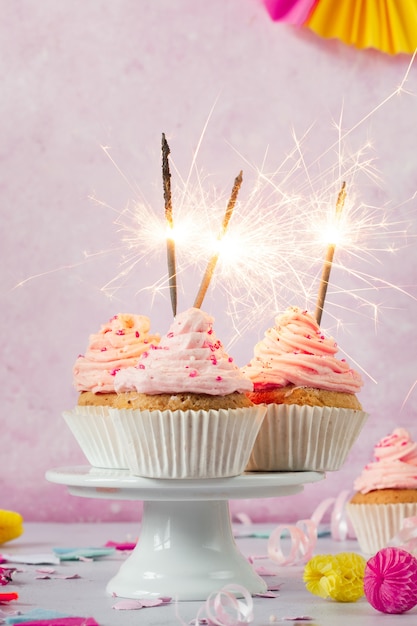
{"x":296,"y":352}
{"x":395,"y":466}
{"x":117,"y":345}
{"x":188,"y":359}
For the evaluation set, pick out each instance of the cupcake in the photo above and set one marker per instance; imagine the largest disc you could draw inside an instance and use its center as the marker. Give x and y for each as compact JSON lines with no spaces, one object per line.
{"x":385,"y":492}
{"x":117,"y":345}
{"x":313,"y":413}
{"x":183,"y":412}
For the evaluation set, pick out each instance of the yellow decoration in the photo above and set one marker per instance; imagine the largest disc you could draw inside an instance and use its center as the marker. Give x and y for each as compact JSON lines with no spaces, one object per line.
{"x":387,"y":25}
{"x":336,"y":576}
{"x":11,"y":525}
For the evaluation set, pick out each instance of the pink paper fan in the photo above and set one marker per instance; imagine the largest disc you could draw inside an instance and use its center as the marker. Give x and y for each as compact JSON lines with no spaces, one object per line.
{"x":390,"y":581}
{"x":386,"y":25}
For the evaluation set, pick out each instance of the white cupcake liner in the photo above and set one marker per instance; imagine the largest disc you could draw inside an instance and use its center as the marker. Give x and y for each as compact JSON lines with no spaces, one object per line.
{"x":300,"y":438}
{"x":376,"y":524}
{"x":94,"y":431}
{"x":188,"y":444}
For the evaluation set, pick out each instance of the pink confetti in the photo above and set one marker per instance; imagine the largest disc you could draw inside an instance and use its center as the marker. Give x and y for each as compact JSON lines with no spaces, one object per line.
{"x":6,"y":575}
{"x":126,"y":545}
{"x":64,"y":621}
{"x":134,"y":605}
{"x":58,"y":576}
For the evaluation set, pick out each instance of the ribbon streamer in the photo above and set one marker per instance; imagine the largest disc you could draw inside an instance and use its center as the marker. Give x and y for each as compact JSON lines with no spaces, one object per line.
{"x":303,"y":534}
{"x":223,"y":608}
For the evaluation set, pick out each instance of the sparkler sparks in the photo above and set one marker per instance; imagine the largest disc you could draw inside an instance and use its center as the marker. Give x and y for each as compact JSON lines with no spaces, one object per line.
{"x":272,"y":253}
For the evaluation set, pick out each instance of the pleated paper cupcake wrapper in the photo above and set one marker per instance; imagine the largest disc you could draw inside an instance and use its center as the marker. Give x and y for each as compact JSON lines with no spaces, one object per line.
{"x":188,"y":444}
{"x":303,"y":438}
{"x":96,"y":435}
{"x":376,"y":524}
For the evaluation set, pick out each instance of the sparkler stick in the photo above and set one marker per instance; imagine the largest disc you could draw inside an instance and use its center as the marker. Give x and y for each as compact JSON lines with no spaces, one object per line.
{"x":213,"y":261}
{"x":166,"y":178}
{"x":324,"y":282}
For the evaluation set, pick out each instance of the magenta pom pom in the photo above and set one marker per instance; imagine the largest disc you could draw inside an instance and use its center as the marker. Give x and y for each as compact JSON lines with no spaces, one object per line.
{"x":390,"y":581}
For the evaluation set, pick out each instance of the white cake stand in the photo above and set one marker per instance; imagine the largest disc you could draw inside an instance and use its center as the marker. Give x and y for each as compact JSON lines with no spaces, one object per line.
{"x":186,"y":549}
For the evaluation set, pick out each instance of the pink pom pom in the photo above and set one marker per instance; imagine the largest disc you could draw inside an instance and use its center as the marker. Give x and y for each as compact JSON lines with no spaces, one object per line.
{"x":390,"y":581}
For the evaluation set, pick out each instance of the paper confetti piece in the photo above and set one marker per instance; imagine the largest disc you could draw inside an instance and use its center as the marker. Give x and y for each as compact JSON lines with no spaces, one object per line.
{"x":134,"y":605}
{"x":6,"y":575}
{"x":58,"y":576}
{"x":79,"y":554}
{"x":30,"y":559}
{"x":126,"y":545}
{"x":48,"y":617}
{"x":35,"y":615}
{"x":7,"y":597}
{"x":65,"y":621}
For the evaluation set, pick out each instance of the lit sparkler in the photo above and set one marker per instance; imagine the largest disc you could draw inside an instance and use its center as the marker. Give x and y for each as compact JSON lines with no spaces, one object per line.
{"x":172,"y":272}
{"x":208,"y":274}
{"x":327,"y":266}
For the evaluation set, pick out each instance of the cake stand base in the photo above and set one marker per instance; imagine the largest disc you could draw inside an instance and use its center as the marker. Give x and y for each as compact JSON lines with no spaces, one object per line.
{"x":186,"y":549}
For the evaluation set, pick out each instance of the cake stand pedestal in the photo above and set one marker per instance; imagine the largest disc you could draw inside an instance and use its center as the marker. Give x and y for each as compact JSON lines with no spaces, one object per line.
{"x":186,"y":549}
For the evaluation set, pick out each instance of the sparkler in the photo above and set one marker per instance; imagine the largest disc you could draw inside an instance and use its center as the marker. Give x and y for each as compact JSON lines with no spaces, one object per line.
{"x":172,"y":272}
{"x":324,"y":282}
{"x":213,"y":261}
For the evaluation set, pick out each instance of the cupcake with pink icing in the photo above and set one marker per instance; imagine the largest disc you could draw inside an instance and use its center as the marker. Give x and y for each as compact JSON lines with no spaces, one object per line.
{"x":117,"y":345}
{"x":385,"y":492}
{"x":183,"y":409}
{"x":313,"y":413}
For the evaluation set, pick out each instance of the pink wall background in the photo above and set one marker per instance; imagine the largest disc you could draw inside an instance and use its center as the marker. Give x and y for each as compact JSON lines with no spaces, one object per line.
{"x":78,"y":75}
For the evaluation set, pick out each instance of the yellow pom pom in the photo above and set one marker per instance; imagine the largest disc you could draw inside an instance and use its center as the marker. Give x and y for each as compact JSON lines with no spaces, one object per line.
{"x":321,"y":575}
{"x":338,"y":576}
{"x":352,"y":571}
{"x":11,"y":525}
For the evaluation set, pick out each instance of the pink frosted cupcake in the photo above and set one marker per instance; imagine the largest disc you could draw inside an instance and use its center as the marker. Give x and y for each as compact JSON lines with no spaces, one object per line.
{"x":183,"y":409}
{"x":313,"y":414}
{"x":117,"y":345}
{"x":386,"y":492}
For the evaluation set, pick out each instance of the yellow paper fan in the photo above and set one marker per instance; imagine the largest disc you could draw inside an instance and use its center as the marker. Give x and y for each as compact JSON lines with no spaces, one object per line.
{"x":387,"y":25}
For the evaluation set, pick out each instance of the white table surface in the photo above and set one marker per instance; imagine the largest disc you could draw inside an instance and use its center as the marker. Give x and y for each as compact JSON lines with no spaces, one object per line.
{"x":86,"y":595}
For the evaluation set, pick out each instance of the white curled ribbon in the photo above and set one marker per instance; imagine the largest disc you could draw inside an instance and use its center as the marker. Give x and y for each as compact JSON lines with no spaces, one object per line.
{"x":303,"y":534}
{"x":303,"y":539}
{"x":223,"y":608}
{"x":406,"y":538}
{"x":340,"y":528}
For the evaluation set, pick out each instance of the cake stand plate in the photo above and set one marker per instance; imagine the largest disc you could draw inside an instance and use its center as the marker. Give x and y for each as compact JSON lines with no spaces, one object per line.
{"x":186,"y":549}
